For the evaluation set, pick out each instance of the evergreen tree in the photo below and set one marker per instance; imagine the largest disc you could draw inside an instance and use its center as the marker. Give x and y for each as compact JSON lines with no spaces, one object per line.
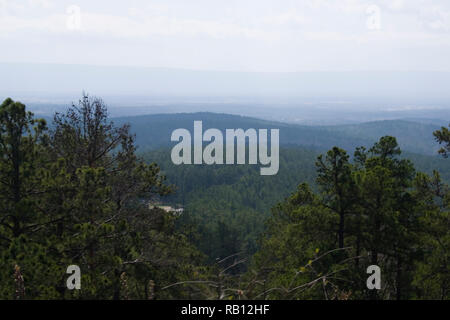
{"x":443,"y":137}
{"x":80,"y":195}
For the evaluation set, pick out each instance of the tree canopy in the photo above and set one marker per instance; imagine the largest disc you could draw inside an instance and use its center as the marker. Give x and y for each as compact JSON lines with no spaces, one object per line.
{"x":79,"y":193}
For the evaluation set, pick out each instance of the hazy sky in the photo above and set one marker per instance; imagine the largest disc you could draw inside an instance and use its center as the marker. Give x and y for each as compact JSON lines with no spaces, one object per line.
{"x":250,"y":35}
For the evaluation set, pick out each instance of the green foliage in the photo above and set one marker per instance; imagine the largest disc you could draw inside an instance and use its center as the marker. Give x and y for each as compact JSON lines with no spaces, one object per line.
{"x":443,"y":137}
{"x":432,"y":276}
{"x":225,"y":206}
{"x":377,"y":211}
{"x":78,"y":194}
{"x":153,"y":131}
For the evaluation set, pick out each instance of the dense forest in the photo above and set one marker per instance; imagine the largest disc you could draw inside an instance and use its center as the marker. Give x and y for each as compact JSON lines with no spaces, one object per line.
{"x":76,"y":191}
{"x":227,"y":205}
{"x":413,"y":136}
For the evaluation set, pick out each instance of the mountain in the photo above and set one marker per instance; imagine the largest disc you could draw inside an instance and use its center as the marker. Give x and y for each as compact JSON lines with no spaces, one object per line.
{"x":412,"y":136}
{"x":154,"y":131}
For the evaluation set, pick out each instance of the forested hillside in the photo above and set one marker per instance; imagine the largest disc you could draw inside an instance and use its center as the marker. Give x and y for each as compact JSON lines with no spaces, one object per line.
{"x":154,"y":131}
{"x":85,"y":193}
{"x":411,"y":135}
{"x":227,"y":205}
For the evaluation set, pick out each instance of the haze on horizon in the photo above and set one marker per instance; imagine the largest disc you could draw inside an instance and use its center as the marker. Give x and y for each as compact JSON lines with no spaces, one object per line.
{"x":317,"y":50}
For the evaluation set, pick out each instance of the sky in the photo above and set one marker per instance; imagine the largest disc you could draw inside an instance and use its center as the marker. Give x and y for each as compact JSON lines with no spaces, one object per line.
{"x":230,"y":35}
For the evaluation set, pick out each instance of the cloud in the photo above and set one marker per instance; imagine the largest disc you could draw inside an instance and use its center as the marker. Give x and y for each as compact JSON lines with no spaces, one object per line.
{"x":231,"y":34}
{"x":46,"y":4}
{"x":119,"y":26}
{"x":133,"y":25}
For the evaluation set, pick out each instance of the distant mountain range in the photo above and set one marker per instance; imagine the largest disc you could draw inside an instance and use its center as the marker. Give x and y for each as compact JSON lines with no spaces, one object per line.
{"x":309,"y":98}
{"x":154,"y":131}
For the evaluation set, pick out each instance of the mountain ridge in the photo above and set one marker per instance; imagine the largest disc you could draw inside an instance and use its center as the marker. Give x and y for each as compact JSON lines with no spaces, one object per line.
{"x":154,"y":131}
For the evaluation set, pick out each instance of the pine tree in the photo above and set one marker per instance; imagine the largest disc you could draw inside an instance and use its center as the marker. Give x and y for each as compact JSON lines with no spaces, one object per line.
{"x":443,"y":137}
